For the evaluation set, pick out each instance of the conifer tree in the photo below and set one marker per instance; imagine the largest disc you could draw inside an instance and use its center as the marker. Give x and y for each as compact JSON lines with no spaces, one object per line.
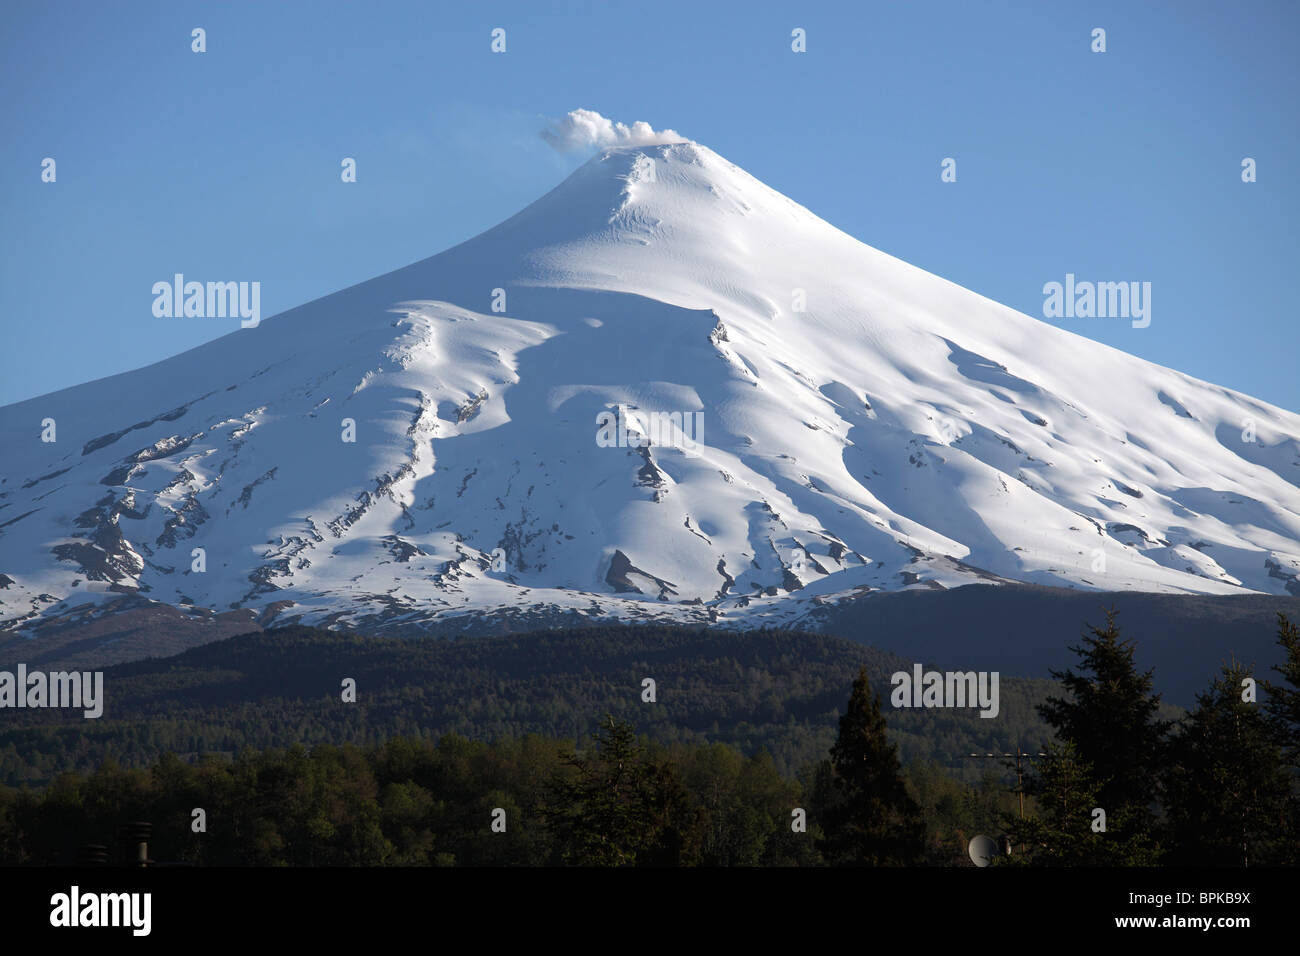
{"x":1228,"y":788}
{"x":1111,"y":717}
{"x":1283,"y":708}
{"x":1066,"y":829}
{"x":620,"y":808}
{"x":871,"y":819}
{"x":1282,"y":702}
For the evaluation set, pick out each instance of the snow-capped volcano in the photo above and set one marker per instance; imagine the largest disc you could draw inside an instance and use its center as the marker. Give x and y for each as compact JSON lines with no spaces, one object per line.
{"x":823,"y":419}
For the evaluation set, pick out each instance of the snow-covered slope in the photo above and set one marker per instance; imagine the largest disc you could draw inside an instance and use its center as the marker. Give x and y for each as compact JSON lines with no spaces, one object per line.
{"x":897,"y":431}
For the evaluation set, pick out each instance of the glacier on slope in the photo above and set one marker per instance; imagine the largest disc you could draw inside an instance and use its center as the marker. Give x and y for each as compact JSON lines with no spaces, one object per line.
{"x":901,"y":431}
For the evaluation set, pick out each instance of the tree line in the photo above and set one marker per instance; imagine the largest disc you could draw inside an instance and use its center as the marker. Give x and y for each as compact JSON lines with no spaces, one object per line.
{"x":1218,"y":786}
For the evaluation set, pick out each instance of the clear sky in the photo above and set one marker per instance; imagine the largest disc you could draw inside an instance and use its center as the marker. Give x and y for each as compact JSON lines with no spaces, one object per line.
{"x":1115,"y":166}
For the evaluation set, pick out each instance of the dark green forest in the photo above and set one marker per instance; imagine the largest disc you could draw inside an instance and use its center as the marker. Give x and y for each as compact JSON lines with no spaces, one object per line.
{"x":775,"y":690}
{"x":690,"y":779}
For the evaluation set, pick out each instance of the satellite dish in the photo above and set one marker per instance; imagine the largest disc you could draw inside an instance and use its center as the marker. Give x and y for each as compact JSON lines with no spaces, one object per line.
{"x":982,"y":850}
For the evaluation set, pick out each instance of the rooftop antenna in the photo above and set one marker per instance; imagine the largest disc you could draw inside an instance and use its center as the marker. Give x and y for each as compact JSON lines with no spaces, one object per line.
{"x":1021,"y":756}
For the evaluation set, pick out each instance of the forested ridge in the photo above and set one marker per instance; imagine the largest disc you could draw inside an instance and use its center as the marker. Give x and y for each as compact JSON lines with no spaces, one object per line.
{"x":775,"y":690}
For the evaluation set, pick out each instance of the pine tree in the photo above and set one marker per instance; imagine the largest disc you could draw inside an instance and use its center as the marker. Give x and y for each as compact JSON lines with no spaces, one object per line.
{"x":619,"y":807}
{"x":1283,"y":702}
{"x":1228,"y":787}
{"x":1283,"y":708}
{"x":1065,"y":829}
{"x":1110,"y":716}
{"x":871,"y":819}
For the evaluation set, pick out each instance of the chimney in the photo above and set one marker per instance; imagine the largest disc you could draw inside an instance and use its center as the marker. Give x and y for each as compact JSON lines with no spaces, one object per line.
{"x":135,"y":839}
{"x":92,"y":854}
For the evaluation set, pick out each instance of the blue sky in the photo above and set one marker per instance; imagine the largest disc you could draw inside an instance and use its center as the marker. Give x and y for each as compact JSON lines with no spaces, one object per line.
{"x":1117,"y":166}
